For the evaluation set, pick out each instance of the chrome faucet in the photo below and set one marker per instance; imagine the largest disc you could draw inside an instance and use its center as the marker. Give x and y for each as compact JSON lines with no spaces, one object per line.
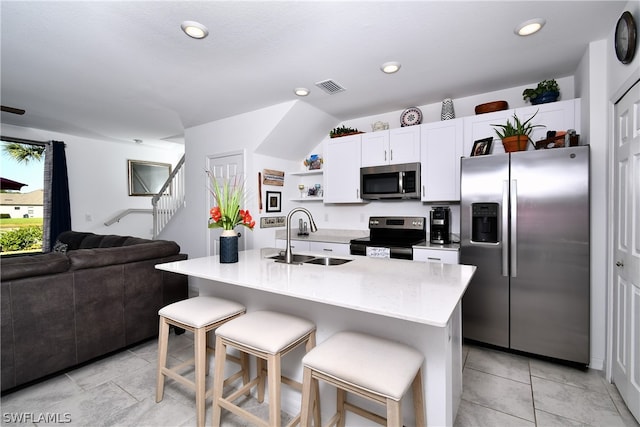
{"x":288,"y":255}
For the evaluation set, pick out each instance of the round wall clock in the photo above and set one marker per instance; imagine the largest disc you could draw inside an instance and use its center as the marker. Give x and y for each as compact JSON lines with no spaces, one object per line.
{"x":625,"y":38}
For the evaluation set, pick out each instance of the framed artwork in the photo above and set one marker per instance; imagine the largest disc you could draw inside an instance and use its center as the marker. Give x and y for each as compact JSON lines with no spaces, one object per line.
{"x":481,"y":147}
{"x":147,"y":178}
{"x":273,"y":177}
{"x":274,"y":201}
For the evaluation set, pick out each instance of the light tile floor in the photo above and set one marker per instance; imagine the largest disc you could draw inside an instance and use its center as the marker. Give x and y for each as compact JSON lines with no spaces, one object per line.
{"x":500,"y":389}
{"x":504,"y":389}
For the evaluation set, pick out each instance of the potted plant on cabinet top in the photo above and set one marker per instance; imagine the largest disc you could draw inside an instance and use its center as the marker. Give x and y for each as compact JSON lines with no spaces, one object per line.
{"x":515,"y":136}
{"x":546,"y":91}
{"x":343,"y":131}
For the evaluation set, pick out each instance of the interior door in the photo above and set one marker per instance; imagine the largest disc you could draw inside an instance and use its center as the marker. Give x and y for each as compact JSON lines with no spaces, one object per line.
{"x":223,"y":167}
{"x":626,"y":268}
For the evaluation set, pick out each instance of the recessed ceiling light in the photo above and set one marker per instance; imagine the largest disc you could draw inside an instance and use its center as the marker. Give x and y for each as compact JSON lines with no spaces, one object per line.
{"x":530,"y":27}
{"x":390,"y":67}
{"x":194,"y":29}
{"x":301,"y":91}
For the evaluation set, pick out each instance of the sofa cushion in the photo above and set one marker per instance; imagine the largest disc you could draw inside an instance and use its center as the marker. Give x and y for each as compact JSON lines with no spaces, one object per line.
{"x":73,"y":239}
{"x":33,"y":265}
{"x":91,"y":241}
{"x":112,"y":241}
{"x":135,"y":241}
{"x":90,"y":258}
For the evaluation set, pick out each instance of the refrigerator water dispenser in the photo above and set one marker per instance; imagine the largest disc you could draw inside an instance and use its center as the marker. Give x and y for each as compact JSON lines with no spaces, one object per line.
{"x":484,"y":222}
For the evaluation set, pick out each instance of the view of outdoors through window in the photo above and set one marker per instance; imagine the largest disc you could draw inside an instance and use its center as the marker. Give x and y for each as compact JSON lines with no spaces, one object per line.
{"x":21,"y":197}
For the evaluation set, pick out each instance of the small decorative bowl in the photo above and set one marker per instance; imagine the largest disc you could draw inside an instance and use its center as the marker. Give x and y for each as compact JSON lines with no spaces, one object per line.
{"x":490,"y":107}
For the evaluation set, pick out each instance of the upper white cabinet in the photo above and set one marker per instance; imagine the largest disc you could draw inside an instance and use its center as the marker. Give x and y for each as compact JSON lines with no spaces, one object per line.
{"x":561,"y":115}
{"x":342,"y":169}
{"x":388,"y":147}
{"x":442,"y":144}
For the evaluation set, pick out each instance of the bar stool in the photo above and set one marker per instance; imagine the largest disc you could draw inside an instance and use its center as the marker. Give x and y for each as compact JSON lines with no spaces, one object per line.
{"x":370,"y":367}
{"x":268,"y":336}
{"x":198,"y":315}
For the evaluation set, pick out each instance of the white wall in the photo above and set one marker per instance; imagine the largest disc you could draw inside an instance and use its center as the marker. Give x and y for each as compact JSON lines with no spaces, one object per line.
{"x":600,"y":80}
{"x":591,"y":72}
{"x":98,"y":179}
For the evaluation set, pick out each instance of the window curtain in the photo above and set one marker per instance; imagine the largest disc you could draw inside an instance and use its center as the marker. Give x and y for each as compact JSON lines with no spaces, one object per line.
{"x":57,"y":208}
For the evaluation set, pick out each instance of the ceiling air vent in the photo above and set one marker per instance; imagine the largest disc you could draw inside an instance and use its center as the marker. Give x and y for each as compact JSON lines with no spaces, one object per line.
{"x":330,"y":86}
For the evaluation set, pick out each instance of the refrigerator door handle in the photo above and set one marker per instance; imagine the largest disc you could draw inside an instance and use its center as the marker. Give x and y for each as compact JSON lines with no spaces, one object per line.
{"x":504,"y":227}
{"x":514,"y":228}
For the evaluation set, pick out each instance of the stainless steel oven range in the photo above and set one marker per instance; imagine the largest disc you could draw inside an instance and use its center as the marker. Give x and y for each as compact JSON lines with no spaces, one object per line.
{"x":391,"y":237}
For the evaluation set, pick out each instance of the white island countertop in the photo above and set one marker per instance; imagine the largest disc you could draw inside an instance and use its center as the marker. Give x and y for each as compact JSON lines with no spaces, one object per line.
{"x":422,"y":292}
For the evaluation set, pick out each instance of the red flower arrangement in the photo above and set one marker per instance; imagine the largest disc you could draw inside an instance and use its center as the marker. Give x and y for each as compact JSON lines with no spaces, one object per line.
{"x":227,"y":214}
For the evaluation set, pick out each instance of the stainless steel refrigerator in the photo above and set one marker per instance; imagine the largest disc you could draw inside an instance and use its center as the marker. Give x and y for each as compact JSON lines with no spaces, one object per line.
{"x":525,"y":225}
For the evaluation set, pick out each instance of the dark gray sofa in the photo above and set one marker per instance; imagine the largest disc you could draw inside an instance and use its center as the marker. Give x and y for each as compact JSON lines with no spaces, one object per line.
{"x":95,"y":294}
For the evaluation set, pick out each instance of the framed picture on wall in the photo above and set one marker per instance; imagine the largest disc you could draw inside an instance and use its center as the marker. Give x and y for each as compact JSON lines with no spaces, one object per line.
{"x":481,"y":147}
{"x":274,"y":201}
{"x":147,"y":178}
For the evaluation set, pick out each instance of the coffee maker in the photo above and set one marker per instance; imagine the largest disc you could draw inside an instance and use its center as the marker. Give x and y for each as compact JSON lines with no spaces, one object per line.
{"x":440,"y":229}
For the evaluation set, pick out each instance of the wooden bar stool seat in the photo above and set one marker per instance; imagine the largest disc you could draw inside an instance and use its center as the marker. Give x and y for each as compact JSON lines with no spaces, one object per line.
{"x":268,"y":336}
{"x":198,"y":315}
{"x":370,"y":367}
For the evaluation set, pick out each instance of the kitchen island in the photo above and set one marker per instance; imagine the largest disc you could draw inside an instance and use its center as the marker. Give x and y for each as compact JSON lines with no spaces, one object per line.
{"x":411,"y":302}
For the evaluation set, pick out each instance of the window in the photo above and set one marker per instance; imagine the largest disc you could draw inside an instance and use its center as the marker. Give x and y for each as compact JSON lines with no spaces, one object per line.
{"x":21,"y":195}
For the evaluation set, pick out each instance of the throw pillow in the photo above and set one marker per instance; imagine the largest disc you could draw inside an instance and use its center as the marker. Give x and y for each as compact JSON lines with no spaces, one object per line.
{"x":60,"y":247}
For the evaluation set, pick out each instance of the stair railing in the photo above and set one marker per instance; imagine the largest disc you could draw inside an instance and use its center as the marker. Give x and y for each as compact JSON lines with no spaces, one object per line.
{"x":169,"y":199}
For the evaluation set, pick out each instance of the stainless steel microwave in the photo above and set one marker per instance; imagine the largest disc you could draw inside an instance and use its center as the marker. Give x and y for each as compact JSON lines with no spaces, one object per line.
{"x":400,"y":181}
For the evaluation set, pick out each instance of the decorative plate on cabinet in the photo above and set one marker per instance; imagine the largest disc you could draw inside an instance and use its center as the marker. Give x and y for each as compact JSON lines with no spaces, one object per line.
{"x":411,"y":116}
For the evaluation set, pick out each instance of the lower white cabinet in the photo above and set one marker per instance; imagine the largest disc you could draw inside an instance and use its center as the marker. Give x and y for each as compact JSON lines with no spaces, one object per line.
{"x":297,"y":245}
{"x":436,"y":255}
{"x":327,"y":248}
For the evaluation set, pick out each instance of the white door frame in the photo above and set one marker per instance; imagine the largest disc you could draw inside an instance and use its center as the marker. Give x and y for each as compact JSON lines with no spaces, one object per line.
{"x":629,"y":391}
{"x":622,"y":90}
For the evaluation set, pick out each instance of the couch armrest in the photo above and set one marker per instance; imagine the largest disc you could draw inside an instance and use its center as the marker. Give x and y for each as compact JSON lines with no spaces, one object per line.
{"x":33,"y":265}
{"x":89,"y":258}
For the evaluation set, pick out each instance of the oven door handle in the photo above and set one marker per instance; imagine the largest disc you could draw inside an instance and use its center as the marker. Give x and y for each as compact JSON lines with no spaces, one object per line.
{"x":402,"y":253}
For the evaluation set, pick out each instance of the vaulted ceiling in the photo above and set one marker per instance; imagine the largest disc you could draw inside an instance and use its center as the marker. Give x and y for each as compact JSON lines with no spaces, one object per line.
{"x":124,"y":70}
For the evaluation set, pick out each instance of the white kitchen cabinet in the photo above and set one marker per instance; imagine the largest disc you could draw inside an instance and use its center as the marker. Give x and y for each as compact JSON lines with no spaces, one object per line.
{"x":442,"y":144}
{"x":297,"y":245}
{"x":308,"y":179}
{"x":342,"y":169}
{"x":436,"y":255}
{"x":558,"y":116}
{"x":375,"y":148}
{"x":389,"y":147}
{"x":329,"y":248}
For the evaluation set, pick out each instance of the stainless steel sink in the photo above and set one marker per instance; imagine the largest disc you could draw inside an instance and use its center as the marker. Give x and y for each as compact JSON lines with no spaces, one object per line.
{"x":328,"y":261}
{"x":296,"y":259}
{"x":310,"y":259}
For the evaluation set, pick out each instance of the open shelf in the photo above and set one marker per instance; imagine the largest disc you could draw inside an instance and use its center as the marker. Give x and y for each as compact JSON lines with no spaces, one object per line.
{"x":308,"y":172}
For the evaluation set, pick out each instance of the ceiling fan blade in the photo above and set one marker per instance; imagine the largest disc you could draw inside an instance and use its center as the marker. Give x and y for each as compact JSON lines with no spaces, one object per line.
{"x":12,"y":110}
